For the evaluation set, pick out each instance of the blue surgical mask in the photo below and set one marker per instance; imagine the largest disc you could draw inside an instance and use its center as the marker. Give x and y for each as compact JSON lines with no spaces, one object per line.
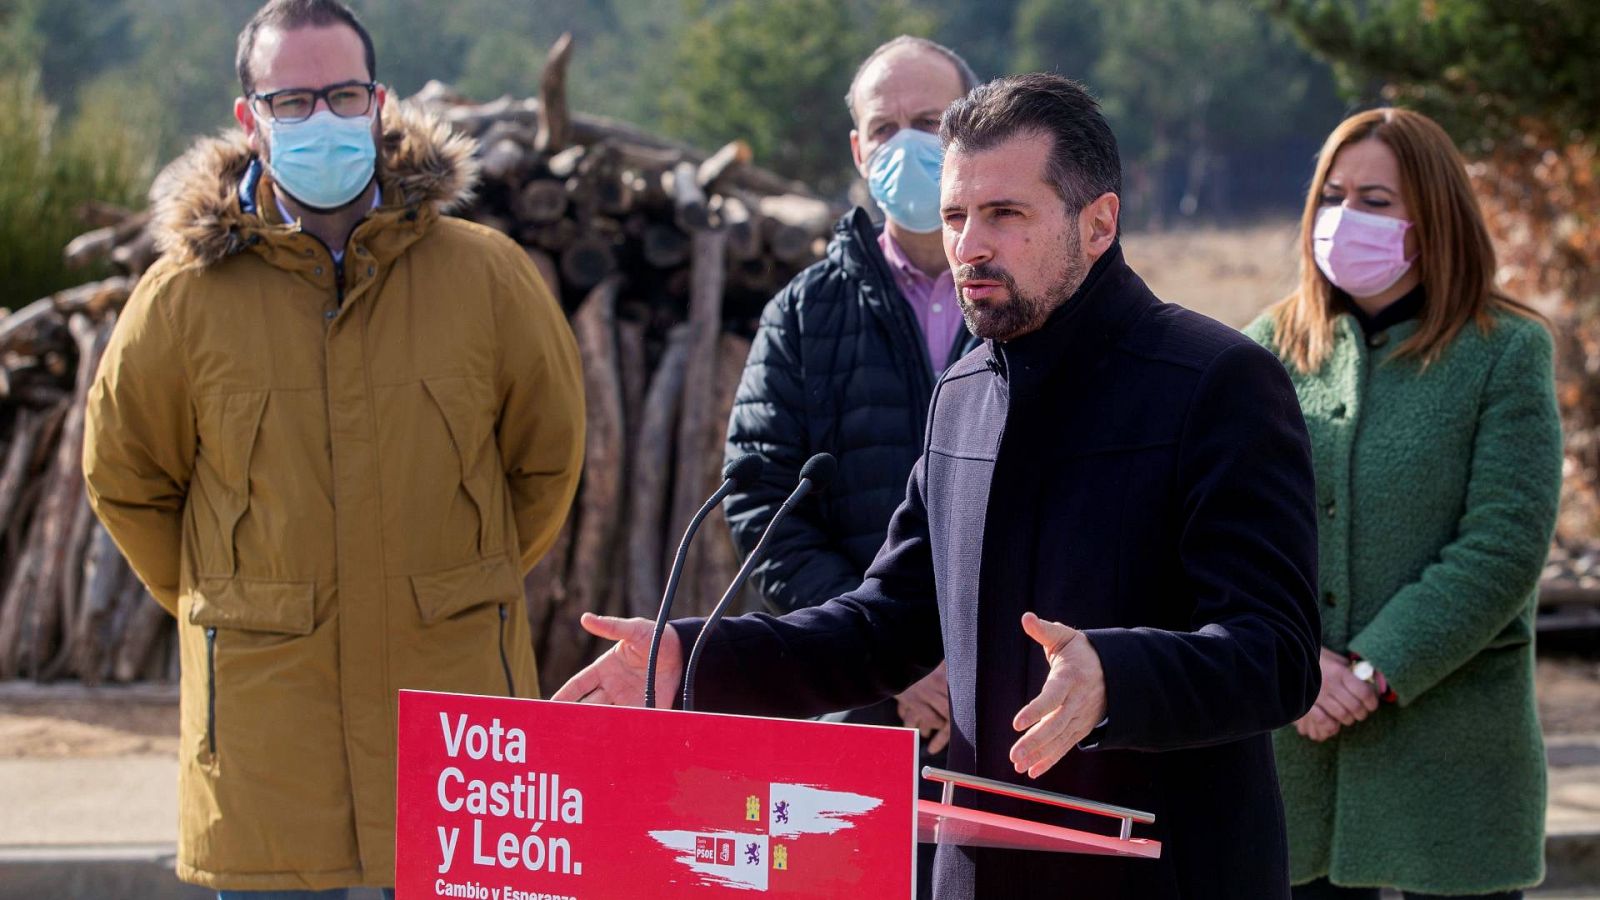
{"x":903,"y":176}
{"x":325,"y":161}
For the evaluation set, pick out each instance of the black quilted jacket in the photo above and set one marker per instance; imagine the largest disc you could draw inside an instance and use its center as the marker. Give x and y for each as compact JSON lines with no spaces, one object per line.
{"x":839,"y":365}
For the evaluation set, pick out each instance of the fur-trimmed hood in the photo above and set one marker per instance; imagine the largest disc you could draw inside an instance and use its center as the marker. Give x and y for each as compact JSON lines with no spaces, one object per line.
{"x":198,"y":218}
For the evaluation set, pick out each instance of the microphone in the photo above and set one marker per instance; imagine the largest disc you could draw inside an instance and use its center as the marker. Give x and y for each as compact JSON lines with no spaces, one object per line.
{"x":738,"y":473}
{"x":815,"y":474}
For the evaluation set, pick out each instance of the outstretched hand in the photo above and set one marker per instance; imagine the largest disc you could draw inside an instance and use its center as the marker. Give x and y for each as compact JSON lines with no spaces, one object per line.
{"x":617,"y":677}
{"x":1069,"y":706}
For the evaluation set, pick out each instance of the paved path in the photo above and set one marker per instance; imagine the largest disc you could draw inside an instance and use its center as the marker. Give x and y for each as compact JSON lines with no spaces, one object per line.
{"x":105,"y":828}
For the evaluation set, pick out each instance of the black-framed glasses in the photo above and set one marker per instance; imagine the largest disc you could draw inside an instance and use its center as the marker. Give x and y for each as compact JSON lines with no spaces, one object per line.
{"x":346,"y":100}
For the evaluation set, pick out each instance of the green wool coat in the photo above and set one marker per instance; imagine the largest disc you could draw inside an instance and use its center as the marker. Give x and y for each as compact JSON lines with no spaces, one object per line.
{"x":1438,"y":490}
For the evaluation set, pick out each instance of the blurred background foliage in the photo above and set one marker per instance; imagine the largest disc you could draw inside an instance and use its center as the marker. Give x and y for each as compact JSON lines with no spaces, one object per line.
{"x":1220,"y":106}
{"x":1181,"y":79}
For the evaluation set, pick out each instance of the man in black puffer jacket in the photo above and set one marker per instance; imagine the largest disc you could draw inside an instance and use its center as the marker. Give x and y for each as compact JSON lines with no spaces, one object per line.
{"x":846,"y":359}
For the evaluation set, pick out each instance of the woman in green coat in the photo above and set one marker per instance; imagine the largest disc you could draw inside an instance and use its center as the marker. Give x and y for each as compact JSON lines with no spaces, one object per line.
{"x":1429,"y":397}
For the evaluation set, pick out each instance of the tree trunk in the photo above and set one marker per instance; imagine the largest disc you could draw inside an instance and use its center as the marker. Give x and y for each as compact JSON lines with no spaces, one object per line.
{"x":649,"y":533}
{"x":696,"y":453}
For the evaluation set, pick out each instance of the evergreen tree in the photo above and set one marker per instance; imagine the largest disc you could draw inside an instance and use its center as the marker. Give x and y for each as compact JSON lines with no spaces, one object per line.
{"x":774,"y":73}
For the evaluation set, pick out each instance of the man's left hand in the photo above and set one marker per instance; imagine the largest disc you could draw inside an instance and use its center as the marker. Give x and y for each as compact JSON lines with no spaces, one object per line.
{"x":1069,"y":706}
{"x":925,"y":706}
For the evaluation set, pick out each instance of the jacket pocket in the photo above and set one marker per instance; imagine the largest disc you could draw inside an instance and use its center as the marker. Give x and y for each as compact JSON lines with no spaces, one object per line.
{"x":442,"y":595}
{"x":228,"y":425}
{"x":229,"y":610}
{"x":459,"y":591}
{"x":471,"y":428}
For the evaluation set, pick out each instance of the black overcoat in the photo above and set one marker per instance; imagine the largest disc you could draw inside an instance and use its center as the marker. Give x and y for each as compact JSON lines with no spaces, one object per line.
{"x":1131,"y":469}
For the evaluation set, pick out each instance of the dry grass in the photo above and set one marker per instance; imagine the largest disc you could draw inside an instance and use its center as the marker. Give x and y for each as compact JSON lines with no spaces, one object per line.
{"x":1228,"y":274}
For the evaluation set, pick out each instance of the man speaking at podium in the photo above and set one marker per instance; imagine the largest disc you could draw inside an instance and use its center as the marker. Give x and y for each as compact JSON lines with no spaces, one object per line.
{"x":1110,"y":536}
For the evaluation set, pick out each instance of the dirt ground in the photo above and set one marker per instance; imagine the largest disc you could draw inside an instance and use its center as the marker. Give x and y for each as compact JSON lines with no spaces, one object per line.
{"x":1228,"y":274}
{"x":36,"y":725}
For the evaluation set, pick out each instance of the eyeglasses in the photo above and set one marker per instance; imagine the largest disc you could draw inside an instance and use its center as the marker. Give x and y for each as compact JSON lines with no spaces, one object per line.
{"x":347,"y":101}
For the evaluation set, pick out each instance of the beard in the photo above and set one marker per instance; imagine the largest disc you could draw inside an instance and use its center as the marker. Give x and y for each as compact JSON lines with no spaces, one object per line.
{"x":1018,"y":313}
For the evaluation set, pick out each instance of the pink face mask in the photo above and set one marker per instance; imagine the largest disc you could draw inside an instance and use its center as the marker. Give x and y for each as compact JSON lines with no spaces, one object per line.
{"x":1362,"y":253}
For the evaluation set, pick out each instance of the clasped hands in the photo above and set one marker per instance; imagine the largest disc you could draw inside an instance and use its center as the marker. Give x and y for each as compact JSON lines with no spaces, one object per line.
{"x":1070,"y":704}
{"x":1342,"y":701}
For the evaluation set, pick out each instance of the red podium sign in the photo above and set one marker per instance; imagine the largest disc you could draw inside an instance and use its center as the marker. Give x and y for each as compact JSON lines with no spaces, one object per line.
{"x":530,"y":800}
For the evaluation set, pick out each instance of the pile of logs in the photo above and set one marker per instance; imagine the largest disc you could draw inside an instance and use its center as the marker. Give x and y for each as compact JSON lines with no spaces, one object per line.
{"x":662,"y":257}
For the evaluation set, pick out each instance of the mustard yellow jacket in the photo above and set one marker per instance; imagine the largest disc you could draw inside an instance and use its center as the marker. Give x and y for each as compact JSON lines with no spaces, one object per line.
{"x":335,"y":484}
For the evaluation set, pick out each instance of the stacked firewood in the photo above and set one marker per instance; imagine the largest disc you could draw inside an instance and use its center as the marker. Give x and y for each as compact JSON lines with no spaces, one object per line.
{"x":662,"y":257}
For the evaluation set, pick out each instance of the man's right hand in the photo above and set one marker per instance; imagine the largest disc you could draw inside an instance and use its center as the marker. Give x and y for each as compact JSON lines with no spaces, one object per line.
{"x":617,"y":677}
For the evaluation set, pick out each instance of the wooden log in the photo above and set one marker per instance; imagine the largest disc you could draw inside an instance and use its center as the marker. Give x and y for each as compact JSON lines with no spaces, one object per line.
{"x":634,"y":366}
{"x":650,"y":485}
{"x":146,"y":622}
{"x":744,"y":238}
{"x":688,"y":200}
{"x":555,"y":123}
{"x":97,"y":245}
{"x":26,"y":430}
{"x":16,"y":609}
{"x":504,"y":161}
{"x":557,"y":236}
{"x":28,"y":544}
{"x":99,"y":214}
{"x":733,"y":156}
{"x":587,"y":261}
{"x":37,"y":395}
{"x":49,"y":433}
{"x":564,"y":165}
{"x":695,"y":427}
{"x":547,"y":270}
{"x":91,"y":246}
{"x":138,"y":254}
{"x":790,"y":224}
{"x":62,"y":504}
{"x":614,"y":193}
{"x":593,"y":568}
{"x":540,"y":201}
{"x":491,"y":220}
{"x":105,"y":577}
{"x":544,"y":591}
{"x":69,"y":593}
{"x":719,"y":560}
{"x":22,"y":324}
{"x":93,"y":298}
{"x":631,"y":141}
{"x":664,"y":246}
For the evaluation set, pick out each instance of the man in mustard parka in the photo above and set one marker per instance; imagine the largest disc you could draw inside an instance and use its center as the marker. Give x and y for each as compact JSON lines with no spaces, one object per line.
{"x":332,"y":430}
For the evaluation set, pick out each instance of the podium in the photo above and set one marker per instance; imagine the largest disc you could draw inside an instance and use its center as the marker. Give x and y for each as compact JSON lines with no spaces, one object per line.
{"x":505,"y":799}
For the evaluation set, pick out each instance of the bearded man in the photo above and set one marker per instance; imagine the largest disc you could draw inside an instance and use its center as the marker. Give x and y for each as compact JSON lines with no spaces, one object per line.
{"x":1110,"y":537}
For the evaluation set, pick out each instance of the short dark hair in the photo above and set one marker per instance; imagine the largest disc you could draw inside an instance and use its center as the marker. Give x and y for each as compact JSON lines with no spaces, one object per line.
{"x":288,"y":15}
{"x":1083,"y":163}
{"x":969,"y":79}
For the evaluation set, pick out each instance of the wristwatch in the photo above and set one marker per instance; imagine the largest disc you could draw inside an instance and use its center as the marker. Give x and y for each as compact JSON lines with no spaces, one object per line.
{"x":1367,"y":672}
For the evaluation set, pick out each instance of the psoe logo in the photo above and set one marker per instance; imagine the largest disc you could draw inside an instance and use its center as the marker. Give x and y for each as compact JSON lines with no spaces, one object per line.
{"x":713,"y":851}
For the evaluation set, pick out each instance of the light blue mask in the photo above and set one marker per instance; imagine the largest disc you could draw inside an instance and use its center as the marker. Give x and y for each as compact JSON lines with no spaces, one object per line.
{"x":325,"y":161}
{"x":903,"y":176}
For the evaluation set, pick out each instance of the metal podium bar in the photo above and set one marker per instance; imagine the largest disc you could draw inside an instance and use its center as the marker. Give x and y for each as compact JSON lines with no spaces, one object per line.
{"x":953,"y":780}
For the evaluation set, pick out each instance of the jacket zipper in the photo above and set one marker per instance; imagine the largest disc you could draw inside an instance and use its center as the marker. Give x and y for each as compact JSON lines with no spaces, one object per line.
{"x":211,"y":690}
{"x":505,"y":662}
{"x":906,"y":328}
